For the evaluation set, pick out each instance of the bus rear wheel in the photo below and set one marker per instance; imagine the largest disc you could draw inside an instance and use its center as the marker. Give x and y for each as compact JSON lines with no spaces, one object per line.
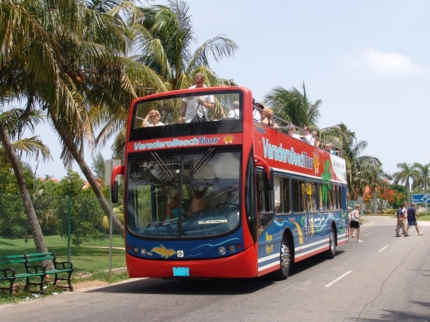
{"x":285,"y":261}
{"x":331,"y":252}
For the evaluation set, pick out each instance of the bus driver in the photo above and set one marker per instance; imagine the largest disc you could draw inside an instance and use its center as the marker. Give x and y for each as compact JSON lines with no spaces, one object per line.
{"x":197,"y":105}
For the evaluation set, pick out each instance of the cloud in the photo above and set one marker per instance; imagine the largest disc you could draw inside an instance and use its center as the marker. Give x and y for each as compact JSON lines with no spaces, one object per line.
{"x":389,"y":63}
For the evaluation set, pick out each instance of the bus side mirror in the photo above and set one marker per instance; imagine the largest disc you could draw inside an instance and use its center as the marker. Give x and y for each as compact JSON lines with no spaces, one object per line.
{"x":260,"y":162}
{"x":114,"y":192}
{"x":114,"y":184}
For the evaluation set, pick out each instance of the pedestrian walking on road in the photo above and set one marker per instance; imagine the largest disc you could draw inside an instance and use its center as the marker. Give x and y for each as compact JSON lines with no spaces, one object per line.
{"x":401,"y":220}
{"x":412,"y":219}
{"x":355,"y":223}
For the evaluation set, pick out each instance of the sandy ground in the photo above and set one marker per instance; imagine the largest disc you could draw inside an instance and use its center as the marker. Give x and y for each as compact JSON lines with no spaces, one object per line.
{"x":88,"y":284}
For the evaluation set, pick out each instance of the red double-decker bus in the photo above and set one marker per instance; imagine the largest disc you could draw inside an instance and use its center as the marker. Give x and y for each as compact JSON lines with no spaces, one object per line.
{"x":222,"y":195}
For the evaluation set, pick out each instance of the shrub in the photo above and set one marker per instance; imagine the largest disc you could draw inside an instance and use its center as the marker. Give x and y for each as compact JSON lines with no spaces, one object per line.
{"x":390,"y":211}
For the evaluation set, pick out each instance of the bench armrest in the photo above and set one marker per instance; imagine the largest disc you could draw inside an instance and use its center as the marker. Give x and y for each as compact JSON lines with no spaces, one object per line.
{"x":32,"y":269}
{"x":7,"y":272}
{"x":63,"y":265}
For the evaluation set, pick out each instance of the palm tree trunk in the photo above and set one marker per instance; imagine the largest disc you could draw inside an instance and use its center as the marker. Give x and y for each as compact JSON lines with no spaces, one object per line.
{"x":374,"y":200}
{"x":38,"y":238}
{"x":71,"y":147}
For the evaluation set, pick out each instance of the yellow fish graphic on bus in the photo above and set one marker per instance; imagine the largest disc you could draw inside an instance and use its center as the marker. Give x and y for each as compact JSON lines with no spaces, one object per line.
{"x":162,"y":251}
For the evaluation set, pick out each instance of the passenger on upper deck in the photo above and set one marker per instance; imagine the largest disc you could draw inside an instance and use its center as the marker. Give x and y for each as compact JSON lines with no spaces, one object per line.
{"x":307,"y":136}
{"x":316,"y":140}
{"x":197,"y":105}
{"x":292,"y":132}
{"x":154,"y":115}
{"x":266,"y":118}
{"x":234,"y":112}
{"x":329,"y":147}
{"x":256,"y":113}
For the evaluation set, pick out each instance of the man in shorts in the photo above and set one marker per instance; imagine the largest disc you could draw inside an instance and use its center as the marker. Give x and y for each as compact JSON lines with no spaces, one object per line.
{"x":412,"y":219}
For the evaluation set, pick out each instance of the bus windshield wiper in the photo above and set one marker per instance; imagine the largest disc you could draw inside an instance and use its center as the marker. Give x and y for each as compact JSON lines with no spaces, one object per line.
{"x":162,"y":165}
{"x":202,"y":160}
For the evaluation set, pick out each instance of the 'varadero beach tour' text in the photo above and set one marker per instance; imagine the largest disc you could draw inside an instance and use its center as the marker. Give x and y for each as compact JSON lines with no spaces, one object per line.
{"x":175,"y":143}
{"x":278,"y":153}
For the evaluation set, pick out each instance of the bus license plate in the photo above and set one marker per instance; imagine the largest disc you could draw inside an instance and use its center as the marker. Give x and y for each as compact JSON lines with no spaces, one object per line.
{"x":181,"y":271}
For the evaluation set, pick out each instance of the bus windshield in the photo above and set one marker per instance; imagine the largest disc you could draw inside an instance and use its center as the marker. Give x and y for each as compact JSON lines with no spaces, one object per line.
{"x":183,"y":194}
{"x":172,"y":115}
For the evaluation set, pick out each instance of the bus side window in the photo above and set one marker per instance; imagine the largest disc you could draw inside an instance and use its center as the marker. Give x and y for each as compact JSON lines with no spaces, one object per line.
{"x":339,"y":198}
{"x":260,"y":192}
{"x":264,"y":196}
{"x":307,"y":192}
{"x":286,"y":194}
{"x":298,"y":192}
{"x":333,"y":197}
{"x":312,"y":196}
{"x":277,"y":193}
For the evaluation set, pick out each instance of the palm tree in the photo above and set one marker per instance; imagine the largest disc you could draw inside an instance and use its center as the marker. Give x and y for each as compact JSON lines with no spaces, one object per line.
{"x":12,"y":124}
{"x":362,"y":170}
{"x":165,"y":38}
{"x":294,"y":106}
{"x":71,"y":60}
{"x":423,"y":179}
{"x":406,"y":174}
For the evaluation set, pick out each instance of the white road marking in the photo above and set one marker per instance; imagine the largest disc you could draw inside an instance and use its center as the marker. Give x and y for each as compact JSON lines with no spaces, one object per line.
{"x":330,"y":284}
{"x":382,"y":249}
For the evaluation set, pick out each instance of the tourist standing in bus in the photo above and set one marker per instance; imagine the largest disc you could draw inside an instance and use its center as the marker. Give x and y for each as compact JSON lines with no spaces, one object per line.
{"x":256,"y":112}
{"x":266,"y":118}
{"x":197,"y":106}
{"x":307,"y":136}
{"x":316,"y":140}
{"x":154,"y":117}
{"x":292,"y":132}
{"x":355,"y":222}
{"x":234,"y":112}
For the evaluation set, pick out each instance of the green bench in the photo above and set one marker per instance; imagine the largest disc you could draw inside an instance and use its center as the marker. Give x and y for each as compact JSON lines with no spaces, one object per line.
{"x":33,"y":266}
{"x":16,"y":264}
{"x":63,"y":268}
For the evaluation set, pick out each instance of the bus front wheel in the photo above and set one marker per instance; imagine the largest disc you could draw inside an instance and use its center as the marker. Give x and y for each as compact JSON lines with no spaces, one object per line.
{"x":285,"y":261}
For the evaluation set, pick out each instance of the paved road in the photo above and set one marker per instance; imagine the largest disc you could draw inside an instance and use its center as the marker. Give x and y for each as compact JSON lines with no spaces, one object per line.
{"x":382,"y":279}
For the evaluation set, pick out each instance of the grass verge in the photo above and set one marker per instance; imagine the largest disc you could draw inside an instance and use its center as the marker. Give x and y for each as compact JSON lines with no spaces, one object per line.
{"x":20,"y":294}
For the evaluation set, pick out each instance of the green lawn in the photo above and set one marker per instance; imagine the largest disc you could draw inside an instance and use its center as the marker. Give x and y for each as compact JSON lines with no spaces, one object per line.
{"x":91,"y":257}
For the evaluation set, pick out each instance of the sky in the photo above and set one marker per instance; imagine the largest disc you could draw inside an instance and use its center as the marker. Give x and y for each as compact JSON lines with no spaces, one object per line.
{"x":368,"y":62}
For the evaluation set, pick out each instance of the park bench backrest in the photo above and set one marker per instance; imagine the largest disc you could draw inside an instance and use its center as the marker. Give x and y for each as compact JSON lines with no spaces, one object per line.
{"x":43,"y":259}
{"x":13,"y":261}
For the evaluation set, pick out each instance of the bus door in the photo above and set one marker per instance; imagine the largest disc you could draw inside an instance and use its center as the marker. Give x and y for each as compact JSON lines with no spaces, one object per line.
{"x":300,"y":215}
{"x":268,"y":237}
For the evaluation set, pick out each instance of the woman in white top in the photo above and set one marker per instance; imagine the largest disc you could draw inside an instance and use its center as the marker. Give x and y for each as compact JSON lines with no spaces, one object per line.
{"x":354,"y":222}
{"x":234,"y":113}
{"x":154,"y":116}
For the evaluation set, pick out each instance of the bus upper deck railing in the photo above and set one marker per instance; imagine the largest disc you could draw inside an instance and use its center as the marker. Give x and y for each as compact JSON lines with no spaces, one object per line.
{"x":284,"y":125}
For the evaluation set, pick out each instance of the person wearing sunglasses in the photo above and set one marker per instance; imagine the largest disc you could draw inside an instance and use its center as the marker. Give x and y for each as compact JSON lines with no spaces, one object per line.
{"x":152,"y":119}
{"x":292,"y":132}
